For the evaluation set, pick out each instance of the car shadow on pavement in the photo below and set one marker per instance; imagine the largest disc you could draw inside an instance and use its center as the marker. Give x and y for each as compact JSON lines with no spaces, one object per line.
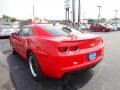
{"x":23,"y":80}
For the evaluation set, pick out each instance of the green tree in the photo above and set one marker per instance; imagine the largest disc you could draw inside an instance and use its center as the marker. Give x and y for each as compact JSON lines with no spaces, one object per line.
{"x":5,"y":17}
{"x":102,"y":19}
{"x":13,"y":19}
{"x":90,"y":21}
{"x":8,"y":18}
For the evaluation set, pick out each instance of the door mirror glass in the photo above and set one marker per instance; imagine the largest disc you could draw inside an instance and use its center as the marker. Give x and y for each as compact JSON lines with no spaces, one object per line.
{"x":15,"y":33}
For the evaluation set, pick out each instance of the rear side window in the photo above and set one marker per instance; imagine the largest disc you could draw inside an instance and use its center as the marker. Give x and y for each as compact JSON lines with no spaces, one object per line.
{"x":66,"y":30}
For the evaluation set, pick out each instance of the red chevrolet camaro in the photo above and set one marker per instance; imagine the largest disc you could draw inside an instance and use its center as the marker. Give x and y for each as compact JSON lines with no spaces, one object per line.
{"x":53,"y":50}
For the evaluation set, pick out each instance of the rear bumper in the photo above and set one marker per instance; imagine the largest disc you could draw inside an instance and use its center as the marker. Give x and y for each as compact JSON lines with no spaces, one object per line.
{"x":57,"y":66}
{"x":61,"y":71}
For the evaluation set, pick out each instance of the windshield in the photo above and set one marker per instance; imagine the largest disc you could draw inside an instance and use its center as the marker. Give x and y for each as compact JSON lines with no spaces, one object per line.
{"x":60,"y":30}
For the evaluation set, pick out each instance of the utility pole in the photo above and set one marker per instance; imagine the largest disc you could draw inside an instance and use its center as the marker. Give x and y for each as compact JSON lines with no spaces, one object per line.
{"x":67,"y":16}
{"x":67,"y":6}
{"x":99,"y":14}
{"x":116,"y":11}
{"x":33,"y":13}
{"x":73,"y":12}
{"x":79,"y":13}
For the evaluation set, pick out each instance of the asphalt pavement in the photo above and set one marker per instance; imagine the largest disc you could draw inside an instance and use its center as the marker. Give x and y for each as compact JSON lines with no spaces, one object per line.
{"x":105,"y":76}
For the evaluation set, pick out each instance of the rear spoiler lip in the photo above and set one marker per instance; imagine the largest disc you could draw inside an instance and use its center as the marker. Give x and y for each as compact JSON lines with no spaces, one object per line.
{"x":74,"y":40}
{"x":80,"y":40}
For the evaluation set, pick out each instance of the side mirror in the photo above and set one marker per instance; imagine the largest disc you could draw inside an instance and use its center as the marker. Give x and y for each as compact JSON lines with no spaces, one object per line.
{"x":15,"y":34}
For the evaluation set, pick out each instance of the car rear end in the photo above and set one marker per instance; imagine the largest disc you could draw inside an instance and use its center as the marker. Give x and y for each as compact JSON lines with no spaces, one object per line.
{"x":67,"y":54}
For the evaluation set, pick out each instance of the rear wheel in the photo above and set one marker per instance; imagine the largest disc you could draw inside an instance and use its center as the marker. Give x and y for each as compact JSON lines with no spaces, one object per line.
{"x":34,"y":67}
{"x":13,"y":51}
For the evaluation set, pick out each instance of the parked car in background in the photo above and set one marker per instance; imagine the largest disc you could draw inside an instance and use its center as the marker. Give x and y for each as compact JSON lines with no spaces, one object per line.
{"x":100,"y":27}
{"x":54,"y":50}
{"x":88,"y":26}
{"x":83,"y":27}
{"x":114,"y":27}
{"x":6,"y":30}
{"x":117,"y":26}
{"x":15,"y":26}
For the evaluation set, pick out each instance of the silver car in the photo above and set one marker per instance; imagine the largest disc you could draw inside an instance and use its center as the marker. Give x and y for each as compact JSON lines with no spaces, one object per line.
{"x":6,"y":30}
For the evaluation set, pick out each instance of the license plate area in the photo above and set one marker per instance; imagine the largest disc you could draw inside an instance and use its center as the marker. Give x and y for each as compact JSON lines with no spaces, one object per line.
{"x":92,"y":56}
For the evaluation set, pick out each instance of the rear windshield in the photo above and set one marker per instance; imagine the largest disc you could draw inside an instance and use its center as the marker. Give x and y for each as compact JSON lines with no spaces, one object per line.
{"x":60,"y":30}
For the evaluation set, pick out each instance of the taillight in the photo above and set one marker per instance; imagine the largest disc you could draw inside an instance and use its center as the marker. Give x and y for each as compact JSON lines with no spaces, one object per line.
{"x":67,"y":49}
{"x":63,"y":49}
{"x":73,"y":48}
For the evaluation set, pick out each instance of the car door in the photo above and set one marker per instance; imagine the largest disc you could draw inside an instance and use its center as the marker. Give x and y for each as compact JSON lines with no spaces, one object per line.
{"x":23,"y":35}
{"x":99,"y":27}
{"x":102,"y":28}
{"x":95,"y":27}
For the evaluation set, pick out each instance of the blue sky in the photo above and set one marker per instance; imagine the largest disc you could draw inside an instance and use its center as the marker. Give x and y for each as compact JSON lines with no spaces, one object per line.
{"x":54,"y":9}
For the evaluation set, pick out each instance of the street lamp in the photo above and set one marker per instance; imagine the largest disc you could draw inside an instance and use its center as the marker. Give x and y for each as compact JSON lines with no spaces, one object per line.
{"x":99,"y":13}
{"x":116,"y":11}
{"x":73,"y":12}
{"x":79,"y":12}
{"x":33,"y":11}
{"x":33,"y":14}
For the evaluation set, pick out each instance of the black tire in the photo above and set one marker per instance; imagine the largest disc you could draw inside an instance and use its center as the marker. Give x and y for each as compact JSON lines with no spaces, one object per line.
{"x":13,"y":51}
{"x":35,"y":68}
{"x":107,"y":31}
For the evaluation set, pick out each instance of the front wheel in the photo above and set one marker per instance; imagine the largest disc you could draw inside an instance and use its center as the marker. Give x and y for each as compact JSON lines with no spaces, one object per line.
{"x":34,"y":67}
{"x":12,"y":49}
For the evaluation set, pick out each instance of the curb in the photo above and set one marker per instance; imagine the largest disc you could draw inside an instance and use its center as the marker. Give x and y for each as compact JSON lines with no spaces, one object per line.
{"x":5,"y":77}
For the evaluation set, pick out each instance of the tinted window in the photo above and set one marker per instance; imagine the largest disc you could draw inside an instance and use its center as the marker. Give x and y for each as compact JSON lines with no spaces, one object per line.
{"x":31,"y":32}
{"x":59,"y":30}
{"x":66,"y":30}
{"x":56,"y":31}
{"x":24,"y":32}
